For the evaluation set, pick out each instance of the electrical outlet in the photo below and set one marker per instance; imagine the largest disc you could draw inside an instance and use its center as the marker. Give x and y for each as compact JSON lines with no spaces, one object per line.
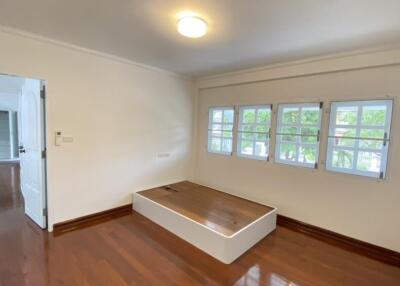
{"x":67,"y":139}
{"x":163,"y":155}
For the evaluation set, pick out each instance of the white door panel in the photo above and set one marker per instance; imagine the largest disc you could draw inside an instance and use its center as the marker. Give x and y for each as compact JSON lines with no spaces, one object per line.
{"x":32,"y":144}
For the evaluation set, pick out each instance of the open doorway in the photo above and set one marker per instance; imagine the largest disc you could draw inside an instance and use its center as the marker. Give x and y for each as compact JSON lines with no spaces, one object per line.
{"x":10,"y":90}
{"x":22,"y":144}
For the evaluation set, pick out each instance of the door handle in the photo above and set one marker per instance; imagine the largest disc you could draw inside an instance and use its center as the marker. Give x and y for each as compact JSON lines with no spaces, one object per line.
{"x":21,"y":149}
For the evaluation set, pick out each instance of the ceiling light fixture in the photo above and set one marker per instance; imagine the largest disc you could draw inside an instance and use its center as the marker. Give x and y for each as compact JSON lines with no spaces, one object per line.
{"x":192,"y":27}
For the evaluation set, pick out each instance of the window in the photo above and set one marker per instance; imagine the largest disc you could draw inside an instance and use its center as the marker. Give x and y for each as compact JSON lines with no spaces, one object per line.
{"x":298,"y":132}
{"x":220,"y":130}
{"x":254,"y":131}
{"x":359,"y":137}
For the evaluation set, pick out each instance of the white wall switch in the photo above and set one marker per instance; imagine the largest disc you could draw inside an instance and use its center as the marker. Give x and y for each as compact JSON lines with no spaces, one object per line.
{"x":57,"y":138}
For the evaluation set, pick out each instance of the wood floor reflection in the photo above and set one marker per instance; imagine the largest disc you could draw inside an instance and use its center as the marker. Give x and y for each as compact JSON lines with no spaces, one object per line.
{"x":131,"y":250}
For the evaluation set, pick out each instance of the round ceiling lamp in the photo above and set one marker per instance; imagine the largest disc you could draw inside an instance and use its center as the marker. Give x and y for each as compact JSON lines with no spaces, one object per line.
{"x":192,"y":27}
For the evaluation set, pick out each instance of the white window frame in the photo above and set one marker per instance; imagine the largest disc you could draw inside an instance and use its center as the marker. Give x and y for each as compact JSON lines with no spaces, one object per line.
{"x":211,"y":123}
{"x":356,"y":149}
{"x":240,"y":131}
{"x":298,"y":142}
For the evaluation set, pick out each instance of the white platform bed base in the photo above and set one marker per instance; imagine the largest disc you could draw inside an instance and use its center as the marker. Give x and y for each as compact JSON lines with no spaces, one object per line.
{"x":224,"y":248}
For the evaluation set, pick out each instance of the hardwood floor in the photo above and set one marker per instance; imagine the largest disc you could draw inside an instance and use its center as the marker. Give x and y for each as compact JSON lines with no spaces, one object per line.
{"x":219,"y":211}
{"x":131,"y":250}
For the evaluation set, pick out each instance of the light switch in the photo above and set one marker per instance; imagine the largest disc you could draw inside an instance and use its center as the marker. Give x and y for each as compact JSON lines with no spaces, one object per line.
{"x":57,"y":138}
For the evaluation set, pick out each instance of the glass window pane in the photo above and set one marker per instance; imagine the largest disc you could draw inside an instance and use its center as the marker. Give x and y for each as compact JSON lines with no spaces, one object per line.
{"x":309,"y":139}
{"x":309,"y":130}
{"x":298,"y":128}
{"x":288,"y":152}
{"x":372,"y":133}
{"x":374,"y":115}
{"x":264,"y":116}
{"x":246,"y":147}
{"x":247,"y":135}
{"x":253,"y":131}
{"x":343,"y":159}
{"x":346,"y":115}
{"x":369,"y":161}
{"x":365,"y":154}
{"x":261,"y":137}
{"x":307,"y":154}
{"x":228,"y":116}
{"x":216,"y":129}
{"x":247,"y":128}
{"x":216,"y":144}
{"x":309,"y":135}
{"x":228,"y":134}
{"x":227,"y":127}
{"x":310,"y":115}
{"x":262,"y":128}
{"x":289,"y":130}
{"x":345,"y":132}
{"x":249,"y":116}
{"x":261,"y":149}
{"x":220,"y":132}
{"x":227,"y":145}
{"x":217,"y":116}
{"x":290,"y":115}
{"x":371,"y":144}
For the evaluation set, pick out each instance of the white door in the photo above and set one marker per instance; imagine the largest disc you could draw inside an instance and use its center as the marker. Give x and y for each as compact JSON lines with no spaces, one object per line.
{"x":32,"y":143}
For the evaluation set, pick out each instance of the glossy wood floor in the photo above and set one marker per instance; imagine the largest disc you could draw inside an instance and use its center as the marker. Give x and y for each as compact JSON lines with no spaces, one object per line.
{"x":131,"y":250}
{"x":219,"y":211}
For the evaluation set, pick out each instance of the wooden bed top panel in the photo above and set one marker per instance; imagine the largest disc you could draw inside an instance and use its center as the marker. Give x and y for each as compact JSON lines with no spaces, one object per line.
{"x":219,"y":211}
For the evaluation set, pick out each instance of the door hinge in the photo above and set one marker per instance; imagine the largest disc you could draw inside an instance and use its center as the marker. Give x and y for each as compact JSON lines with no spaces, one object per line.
{"x":43,"y":92}
{"x":45,"y":212}
{"x":44,"y":154}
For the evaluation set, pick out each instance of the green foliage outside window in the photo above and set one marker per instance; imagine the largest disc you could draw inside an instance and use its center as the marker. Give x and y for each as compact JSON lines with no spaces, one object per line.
{"x":373,"y":116}
{"x":290,"y":115}
{"x":310,"y":116}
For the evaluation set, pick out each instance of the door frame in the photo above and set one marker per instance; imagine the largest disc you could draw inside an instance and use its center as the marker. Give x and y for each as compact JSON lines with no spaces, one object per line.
{"x":44,"y":127}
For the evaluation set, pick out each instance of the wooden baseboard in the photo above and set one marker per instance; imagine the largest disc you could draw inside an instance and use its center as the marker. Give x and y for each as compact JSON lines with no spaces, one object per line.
{"x":357,"y":246}
{"x":372,"y":251}
{"x":91,"y":219}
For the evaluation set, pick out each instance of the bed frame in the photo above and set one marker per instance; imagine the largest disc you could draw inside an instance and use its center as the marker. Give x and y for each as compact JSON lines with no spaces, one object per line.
{"x":222,"y":225}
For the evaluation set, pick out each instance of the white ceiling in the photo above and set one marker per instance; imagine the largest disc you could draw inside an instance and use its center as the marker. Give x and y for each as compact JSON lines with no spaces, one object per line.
{"x":242,"y":34}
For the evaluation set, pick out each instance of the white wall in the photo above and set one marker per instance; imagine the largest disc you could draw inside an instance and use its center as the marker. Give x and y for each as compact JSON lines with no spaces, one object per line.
{"x":120,"y":115}
{"x":354,"y":206}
